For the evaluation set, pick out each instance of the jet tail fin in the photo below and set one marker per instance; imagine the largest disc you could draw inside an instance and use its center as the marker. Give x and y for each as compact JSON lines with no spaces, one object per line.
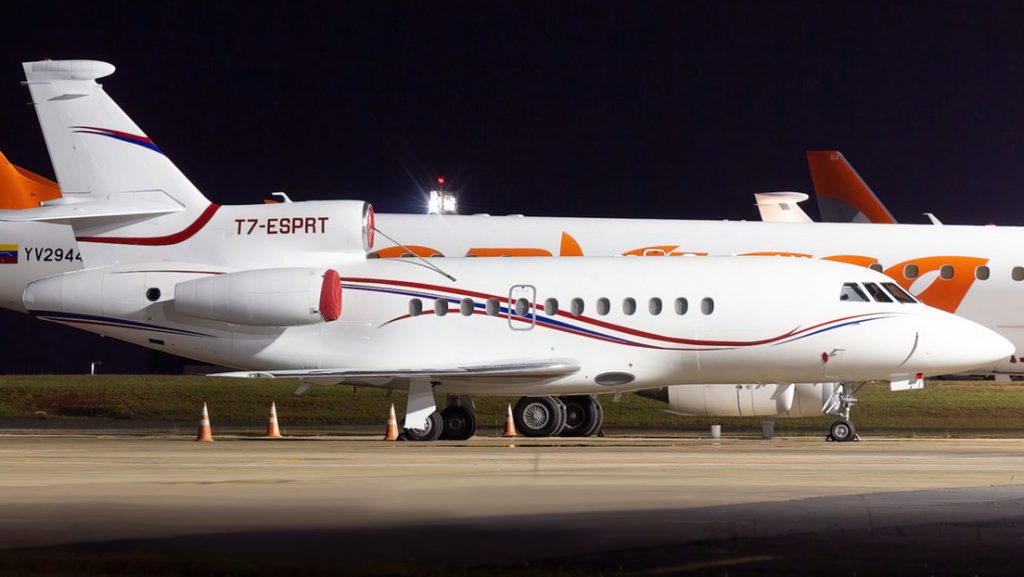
{"x":843,"y":196}
{"x":21,"y":189}
{"x":96,"y":149}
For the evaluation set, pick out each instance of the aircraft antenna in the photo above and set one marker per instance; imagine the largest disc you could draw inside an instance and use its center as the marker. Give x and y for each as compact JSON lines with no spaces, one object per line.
{"x":408,"y":251}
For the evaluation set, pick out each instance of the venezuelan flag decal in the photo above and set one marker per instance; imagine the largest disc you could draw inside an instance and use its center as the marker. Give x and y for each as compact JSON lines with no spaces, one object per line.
{"x":8,"y":254}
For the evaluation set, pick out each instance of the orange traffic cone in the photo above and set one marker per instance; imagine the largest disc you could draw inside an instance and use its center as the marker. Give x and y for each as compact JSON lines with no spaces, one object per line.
{"x":392,"y":431}
{"x":510,"y":425}
{"x":205,"y":433}
{"x":272,"y":429}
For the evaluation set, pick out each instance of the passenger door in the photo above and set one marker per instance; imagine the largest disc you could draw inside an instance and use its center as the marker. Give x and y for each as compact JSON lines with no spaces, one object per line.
{"x":521,"y":311}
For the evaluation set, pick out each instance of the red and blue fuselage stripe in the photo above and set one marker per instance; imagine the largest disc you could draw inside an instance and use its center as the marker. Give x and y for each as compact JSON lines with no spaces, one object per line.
{"x":80,"y":319}
{"x":556,"y":324}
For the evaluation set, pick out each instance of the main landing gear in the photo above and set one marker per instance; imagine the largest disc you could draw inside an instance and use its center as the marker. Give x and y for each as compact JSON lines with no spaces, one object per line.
{"x":431,"y":431}
{"x":583,"y":416}
{"x":572,"y":416}
{"x":839,"y":404}
{"x":457,"y":422}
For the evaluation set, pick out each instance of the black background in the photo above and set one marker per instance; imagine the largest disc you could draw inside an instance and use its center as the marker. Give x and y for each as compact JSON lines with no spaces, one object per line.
{"x":625,"y":109}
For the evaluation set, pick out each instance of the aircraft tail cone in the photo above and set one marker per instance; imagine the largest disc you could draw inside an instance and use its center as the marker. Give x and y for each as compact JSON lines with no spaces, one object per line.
{"x":272,"y":429}
{"x":205,"y":432}
{"x":392,"y":431}
{"x":510,"y":425}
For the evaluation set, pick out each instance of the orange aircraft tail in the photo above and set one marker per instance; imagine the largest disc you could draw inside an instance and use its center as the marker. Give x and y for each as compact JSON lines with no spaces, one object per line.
{"x":843,"y":196}
{"x":20,"y":188}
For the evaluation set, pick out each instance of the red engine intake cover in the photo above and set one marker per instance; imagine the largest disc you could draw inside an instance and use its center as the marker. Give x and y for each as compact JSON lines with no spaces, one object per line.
{"x":370,"y":230}
{"x":330,"y":296}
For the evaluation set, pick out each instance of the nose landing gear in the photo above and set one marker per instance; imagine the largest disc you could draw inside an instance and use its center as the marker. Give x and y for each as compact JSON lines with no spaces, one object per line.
{"x":839,"y":404}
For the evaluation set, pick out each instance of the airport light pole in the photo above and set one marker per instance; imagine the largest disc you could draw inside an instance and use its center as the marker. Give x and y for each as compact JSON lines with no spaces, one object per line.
{"x":442,"y":201}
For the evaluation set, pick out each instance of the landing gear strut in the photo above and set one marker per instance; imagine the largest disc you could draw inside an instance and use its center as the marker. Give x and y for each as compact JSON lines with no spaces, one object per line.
{"x":840,"y":404}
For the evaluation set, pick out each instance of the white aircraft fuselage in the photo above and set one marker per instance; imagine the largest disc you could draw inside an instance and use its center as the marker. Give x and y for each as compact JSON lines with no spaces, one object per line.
{"x":644,"y":322}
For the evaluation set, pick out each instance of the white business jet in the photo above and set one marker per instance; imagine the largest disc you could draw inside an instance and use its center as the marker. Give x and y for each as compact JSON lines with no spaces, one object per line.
{"x":258,"y":287}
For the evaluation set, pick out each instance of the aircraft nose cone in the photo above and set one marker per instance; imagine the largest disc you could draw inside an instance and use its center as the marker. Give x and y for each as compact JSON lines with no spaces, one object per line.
{"x":952,"y":344}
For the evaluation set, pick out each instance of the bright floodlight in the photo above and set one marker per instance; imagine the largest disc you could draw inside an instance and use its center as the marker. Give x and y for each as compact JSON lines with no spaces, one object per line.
{"x":442,"y":202}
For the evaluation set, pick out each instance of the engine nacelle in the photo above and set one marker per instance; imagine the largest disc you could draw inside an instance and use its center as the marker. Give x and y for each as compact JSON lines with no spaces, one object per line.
{"x":810,"y":398}
{"x":730,"y":400}
{"x":263,"y":297}
{"x":101,"y":293}
{"x":266,"y":297}
{"x":771,"y":400}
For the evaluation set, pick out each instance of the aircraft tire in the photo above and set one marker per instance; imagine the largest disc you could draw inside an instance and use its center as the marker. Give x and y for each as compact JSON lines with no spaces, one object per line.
{"x":458,"y":423}
{"x":583,"y":416}
{"x":539,"y":416}
{"x":431,"y":432}
{"x":842,"y":431}
{"x":598,"y":422}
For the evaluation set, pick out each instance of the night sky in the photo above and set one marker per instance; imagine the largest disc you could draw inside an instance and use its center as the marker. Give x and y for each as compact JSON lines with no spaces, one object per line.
{"x":631,"y":109}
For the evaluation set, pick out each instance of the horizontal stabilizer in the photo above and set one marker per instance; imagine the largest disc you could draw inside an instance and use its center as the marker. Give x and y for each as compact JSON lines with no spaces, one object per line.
{"x":118,"y":205}
{"x":545,"y":369}
{"x":67,"y":70}
{"x":781,"y":206}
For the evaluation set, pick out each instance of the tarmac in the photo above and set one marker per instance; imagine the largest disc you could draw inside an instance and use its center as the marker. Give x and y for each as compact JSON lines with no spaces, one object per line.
{"x":613,"y":505}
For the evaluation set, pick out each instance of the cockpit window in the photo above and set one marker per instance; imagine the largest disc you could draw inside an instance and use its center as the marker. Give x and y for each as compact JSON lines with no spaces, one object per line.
{"x":898,"y":292}
{"x":852,"y":292}
{"x":877,"y":293}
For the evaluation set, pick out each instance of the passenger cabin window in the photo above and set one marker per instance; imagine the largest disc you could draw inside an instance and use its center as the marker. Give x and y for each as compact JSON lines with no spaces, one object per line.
{"x":982,"y":272}
{"x":852,"y":292}
{"x":522,"y":307}
{"x":682,"y":305}
{"x":628,"y":306}
{"x":910,"y":271}
{"x":493,"y":307}
{"x":946,"y":272}
{"x":877,"y":267}
{"x":604,"y":306}
{"x":466,"y":307}
{"x":877,"y":293}
{"x":707,"y":305}
{"x":440,"y":307}
{"x":415,"y":307}
{"x":898,"y":292}
{"x":576,"y":307}
{"x":1017,"y":273}
{"x":551,"y":307}
{"x":654,"y":306}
